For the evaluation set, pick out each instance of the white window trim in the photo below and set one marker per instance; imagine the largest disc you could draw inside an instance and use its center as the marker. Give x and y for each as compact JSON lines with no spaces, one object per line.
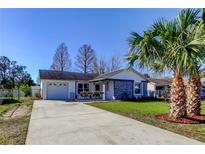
{"x":140,"y":88}
{"x":83,"y":86}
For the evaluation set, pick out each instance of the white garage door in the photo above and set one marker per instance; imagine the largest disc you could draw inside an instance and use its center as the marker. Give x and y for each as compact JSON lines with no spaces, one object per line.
{"x":57,"y":91}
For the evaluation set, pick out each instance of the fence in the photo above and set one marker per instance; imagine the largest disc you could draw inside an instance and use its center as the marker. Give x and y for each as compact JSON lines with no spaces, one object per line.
{"x":35,"y":91}
{"x":11,"y":93}
{"x":16,"y":94}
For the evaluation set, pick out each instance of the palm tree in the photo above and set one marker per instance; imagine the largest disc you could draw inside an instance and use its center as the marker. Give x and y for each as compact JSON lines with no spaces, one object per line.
{"x":170,"y":47}
{"x":168,"y":33}
{"x":193,"y":98}
{"x":194,"y":82}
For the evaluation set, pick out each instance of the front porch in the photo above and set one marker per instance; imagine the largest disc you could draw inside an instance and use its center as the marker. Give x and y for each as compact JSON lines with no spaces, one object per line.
{"x":100,"y":90}
{"x":105,"y":90}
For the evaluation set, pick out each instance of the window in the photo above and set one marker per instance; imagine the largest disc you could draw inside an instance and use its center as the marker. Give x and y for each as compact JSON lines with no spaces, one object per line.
{"x":86,"y":87}
{"x":203,"y":89}
{"x":80,"y":87}
{"x":137,"y":88}
{"x":97,"y":87}
{"x":83,"y":87}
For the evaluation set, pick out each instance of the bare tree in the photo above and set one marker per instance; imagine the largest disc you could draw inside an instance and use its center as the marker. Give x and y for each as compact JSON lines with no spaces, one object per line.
{"x":61,"y":58}
{"x":103,"y":67}
{"x":116,"y":64}
{"x":84,"y":59}
{"x":95,"y":64}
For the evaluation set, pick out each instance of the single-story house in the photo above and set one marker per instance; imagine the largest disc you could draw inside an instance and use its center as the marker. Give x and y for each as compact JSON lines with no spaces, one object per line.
{"x":117,"y":85}
{"x":158,"y":87}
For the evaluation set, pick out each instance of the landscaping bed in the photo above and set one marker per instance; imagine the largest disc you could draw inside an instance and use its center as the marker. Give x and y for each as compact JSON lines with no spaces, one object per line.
{"x":149,"y":112}
{"x":14,"y":121}
{"x":185,"y":120}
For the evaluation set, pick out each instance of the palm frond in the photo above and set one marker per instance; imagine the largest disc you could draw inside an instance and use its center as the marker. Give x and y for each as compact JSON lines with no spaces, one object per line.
{"x":187,"y":18}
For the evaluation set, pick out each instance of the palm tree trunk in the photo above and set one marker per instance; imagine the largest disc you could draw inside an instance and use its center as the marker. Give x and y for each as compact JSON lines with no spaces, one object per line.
{"x":178,"y":97}
{"x":194,"y":95}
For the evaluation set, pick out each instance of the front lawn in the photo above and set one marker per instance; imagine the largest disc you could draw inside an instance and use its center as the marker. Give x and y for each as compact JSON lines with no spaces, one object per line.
{"x":147,"y":111}
{"x":13,"y":130}
{"x":6,"y":107}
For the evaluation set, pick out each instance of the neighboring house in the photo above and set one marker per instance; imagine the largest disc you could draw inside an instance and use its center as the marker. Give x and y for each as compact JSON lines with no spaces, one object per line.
{"x":158,"y":87}
{"x":117,"y":85}
{"x":203,"y":87}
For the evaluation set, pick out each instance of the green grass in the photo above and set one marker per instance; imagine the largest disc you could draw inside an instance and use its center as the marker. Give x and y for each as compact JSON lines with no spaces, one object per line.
{"x":3,"y":109}
{"x":203,"y":107}
{"x":147,"y":112}
{"x":6,"y":107}
{"x":14,"y":130}
{"x":142,"y":107}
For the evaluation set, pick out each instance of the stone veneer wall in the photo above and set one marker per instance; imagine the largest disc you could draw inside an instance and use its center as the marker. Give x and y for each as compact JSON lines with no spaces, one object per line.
{"x":123,"y":89}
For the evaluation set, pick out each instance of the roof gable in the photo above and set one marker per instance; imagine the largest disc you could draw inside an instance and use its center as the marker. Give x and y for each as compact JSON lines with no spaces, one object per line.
{"x":115,"y":74}
{"x":160,"y":82}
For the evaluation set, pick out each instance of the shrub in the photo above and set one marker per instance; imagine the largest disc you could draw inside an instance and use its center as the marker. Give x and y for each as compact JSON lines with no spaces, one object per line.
{"x":144,"y":99}
{"x":26,"y":89}
{"x":125,"y":96}
{"x":90,"y":93}
{"x":10,"y":101}
{"x":9,"y":94}
{"x":38,"y":95}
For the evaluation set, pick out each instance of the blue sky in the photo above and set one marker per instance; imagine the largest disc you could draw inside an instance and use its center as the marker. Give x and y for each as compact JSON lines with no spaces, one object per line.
{"x":30,"y":36}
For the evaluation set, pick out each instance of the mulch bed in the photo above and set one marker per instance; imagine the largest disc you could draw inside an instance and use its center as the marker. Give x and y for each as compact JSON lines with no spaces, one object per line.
{"x":187,"y":120}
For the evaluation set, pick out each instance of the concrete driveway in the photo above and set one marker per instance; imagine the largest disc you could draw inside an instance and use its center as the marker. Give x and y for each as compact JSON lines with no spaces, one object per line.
{"x":56,"y":122}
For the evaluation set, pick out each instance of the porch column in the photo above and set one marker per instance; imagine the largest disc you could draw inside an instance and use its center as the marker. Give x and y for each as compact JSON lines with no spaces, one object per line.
{"x":103,"y":86}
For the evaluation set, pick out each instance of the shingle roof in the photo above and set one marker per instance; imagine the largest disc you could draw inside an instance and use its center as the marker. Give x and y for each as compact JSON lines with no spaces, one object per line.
{"x":64,"y":75}
{"x":107,"y":75}
{"x":160,"y":82}
{"x":110,"y":74}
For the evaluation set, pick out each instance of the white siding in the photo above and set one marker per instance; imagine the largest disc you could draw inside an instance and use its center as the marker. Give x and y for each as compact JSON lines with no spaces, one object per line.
{"x":71,"y":88}
{"x":151,"y":88}
{"x":127,"y":75}
{"x":110,"y":90}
